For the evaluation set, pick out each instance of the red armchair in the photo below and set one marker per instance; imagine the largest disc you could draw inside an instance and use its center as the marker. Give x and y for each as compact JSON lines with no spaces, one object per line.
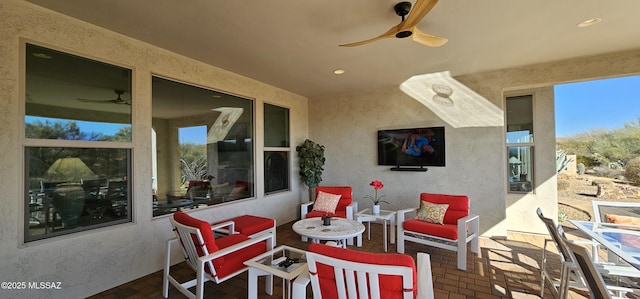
{"x":342,"y":273}
{"x":345,"y":209}
{"x":212,"y":259}
{"x":457,"y":230}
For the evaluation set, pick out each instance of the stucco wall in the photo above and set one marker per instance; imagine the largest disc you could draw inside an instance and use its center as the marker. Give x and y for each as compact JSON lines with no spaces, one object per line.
{"x":476,"y":157}
{"x":89,"y":262}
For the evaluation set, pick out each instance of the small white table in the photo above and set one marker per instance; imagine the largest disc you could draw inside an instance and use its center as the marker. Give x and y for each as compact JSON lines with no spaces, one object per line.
{"x":340,"y":230}
{"x":261,"y":266}
{"x":385,"y":216}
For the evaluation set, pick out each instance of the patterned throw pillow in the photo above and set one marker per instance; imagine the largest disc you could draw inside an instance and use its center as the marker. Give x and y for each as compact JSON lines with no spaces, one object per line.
{"x":326,"y":202}
{"x":431,"y":212}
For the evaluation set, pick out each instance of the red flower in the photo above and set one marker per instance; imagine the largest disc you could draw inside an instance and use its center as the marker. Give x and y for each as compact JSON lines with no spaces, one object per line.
{"x":376,"y":184}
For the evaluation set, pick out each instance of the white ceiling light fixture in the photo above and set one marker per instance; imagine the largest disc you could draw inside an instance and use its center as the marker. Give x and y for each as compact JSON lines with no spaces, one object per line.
{"x":452,"y":101}
{"x":589,"y":22}
{"x":338,"y":72}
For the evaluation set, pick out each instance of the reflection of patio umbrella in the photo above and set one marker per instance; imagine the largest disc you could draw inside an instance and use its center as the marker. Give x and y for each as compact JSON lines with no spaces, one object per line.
{"x":514,"y":163}
{"x":69,"y":169}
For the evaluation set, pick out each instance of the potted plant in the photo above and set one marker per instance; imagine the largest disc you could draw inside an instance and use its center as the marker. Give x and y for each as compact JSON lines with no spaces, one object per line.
{"x":312,"y":160}
{"x":377,"y":185}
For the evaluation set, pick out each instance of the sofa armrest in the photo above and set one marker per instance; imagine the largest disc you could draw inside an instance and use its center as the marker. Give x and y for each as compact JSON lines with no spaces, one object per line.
{"x":305,"y":208}
{"x":401,"y":215}
{"x":226,"y":227}
{"x":469,"y":224}
{"x":425,"y":276}
{"x":352,"y":209}
{"x":268,"y":237}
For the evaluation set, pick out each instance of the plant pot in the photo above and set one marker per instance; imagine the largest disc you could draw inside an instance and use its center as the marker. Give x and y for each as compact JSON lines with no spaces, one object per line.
{"x":376,"y":209}
{"x":326,"y":220}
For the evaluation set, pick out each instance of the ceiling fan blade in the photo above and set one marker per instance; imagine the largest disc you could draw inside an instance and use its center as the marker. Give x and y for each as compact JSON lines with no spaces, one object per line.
{"x":419,"y":10}
{"x":389,"y":34}
{"x":95,"y":101}
{"x":428,"y":39}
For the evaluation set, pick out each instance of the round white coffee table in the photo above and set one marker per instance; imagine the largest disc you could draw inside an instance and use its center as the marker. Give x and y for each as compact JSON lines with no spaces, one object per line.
{"x":340,"y":229}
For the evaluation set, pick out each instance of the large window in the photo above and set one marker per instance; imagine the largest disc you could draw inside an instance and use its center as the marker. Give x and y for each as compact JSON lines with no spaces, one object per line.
{"x":276,"y":149}
{"x":520,"y":143}
{"x":203,"y":144}
{"x":77,"y":143}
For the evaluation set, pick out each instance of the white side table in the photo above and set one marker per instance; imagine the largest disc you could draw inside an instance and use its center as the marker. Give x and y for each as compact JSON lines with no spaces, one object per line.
{"x":339,"y":230}
{"x":261,"y":266}
{"x":385,"y":216}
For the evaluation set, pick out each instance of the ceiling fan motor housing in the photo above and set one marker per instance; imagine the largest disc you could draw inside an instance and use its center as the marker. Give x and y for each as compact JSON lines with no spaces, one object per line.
{"x":402,"y":9}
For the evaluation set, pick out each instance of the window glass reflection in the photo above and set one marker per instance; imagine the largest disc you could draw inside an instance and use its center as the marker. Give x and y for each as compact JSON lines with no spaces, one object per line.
{"x":520,"y":168}
{"x":70,"y":189}
{"x":520,"y":119}
{"x":204,"y":147}
{"x":70,"y":97}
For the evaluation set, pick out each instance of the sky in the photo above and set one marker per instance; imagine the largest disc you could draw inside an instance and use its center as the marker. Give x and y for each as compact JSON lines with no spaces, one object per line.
{"x":601,"y":104}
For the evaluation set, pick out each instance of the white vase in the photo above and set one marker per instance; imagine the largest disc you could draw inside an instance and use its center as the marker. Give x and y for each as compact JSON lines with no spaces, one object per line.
{"x":376,"y":209}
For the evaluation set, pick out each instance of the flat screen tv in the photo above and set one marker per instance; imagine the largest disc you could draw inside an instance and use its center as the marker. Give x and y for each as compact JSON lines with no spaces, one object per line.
{"x":413,"y":147}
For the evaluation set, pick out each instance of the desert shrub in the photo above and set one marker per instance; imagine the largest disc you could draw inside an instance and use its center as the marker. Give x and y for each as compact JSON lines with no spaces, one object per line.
{"x":563,"y":184}
{"x":607,"y":172}
{"x":588,"y":161}
{"x":632,"y":171}
{"x":581,"y":168}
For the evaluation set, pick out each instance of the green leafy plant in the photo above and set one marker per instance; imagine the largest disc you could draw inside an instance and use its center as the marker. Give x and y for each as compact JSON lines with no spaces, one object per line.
{"x":632,"y":171}
{"x":312,"y":161}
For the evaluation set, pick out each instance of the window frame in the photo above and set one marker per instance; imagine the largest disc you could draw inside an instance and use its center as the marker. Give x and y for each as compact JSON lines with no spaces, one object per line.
{"x":25,"y":142}
{"x":529,"y":182}
{"x":270,"y":149}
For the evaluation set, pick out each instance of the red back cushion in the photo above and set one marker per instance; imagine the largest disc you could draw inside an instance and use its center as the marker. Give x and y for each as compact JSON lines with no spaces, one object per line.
{"x":346,"y":193}
{"x":203,"y":226}
{"x":458,"y":205}
{"x":390,"y":285}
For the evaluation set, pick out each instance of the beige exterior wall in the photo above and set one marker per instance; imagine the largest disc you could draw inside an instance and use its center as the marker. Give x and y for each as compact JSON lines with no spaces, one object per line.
{"x":89,"y":262}
{"x":476,"y":157}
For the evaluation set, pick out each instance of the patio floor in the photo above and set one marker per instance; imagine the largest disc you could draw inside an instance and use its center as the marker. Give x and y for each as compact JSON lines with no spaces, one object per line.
{"x":503,"y":269}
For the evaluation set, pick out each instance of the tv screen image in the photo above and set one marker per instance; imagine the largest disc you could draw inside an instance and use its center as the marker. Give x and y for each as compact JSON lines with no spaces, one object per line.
{"x":411,"y":147}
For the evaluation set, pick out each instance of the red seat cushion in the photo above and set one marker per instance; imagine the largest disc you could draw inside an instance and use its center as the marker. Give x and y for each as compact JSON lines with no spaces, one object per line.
{"x":249,"y":224}
{"x":447,"y":231}
{"x":458,"y":205}
{"x":203,"y":226}
{"x":235,"y":261}
{"x":390,"y":285}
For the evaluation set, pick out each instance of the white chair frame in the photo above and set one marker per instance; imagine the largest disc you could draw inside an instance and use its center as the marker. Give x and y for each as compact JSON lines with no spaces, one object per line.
{"x":360,"y":280}
{"x":197,"y":263}
{"x":591,"y":275}
{"x":568,"y":275}
{"x":468,"y":233}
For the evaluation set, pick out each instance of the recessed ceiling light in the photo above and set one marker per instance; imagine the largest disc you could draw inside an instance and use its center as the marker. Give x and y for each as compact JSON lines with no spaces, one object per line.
{"x":589,"y":22}
{"x":42,"y":55}
{"x":338,"y":72}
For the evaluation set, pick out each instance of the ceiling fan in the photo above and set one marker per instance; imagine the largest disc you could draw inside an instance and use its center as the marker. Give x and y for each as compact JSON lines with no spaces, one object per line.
{"x":117,"y":100}
{"x":407,"y":28}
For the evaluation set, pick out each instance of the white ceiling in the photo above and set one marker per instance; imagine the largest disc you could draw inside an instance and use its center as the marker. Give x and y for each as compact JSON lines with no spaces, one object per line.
{"x":292,"y":44}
